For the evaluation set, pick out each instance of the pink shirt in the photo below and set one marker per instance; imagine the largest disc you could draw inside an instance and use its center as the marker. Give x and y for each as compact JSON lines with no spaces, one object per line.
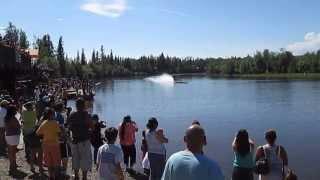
{"x":129,"y":137}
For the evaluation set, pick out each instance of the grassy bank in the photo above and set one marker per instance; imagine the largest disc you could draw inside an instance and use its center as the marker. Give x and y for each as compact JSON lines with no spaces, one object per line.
{"x":292,"y":76}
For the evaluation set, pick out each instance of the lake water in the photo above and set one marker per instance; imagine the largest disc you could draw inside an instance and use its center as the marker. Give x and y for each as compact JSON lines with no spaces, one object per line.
{"x":223,"y":106}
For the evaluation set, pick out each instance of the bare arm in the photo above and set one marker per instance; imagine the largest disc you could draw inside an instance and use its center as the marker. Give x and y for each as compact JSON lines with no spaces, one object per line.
{"x":284,"y":155}
{"x":162,"y":138}
{"x":234,"y":143}
{"x":259,"y":153}
{"x":252,"y":144}
{"x":119,"y":172}
{"x":135,"y":125}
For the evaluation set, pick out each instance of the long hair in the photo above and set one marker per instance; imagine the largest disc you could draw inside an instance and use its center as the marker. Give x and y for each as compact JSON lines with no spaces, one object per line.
{"x":11,"y":112}
{"x":242,"y":142}
{"x":126,"y":119}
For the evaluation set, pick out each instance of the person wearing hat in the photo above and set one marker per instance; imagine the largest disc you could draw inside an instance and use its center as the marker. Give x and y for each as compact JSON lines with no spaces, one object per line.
{"x":3,"y":111}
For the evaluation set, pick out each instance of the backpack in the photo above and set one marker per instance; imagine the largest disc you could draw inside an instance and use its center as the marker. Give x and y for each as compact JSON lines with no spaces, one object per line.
{"x":262,"y":165}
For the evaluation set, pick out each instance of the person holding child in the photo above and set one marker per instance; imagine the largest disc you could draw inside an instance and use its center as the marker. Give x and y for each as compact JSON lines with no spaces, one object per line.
{"x":156,"y":150}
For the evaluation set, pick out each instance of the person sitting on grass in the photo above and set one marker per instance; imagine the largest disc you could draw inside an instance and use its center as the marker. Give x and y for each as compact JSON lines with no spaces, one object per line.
{"x":50,"y":131}
{"x":109,"y":157}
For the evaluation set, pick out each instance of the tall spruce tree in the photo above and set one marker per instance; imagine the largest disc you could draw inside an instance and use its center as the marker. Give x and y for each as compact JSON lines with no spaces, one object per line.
{"x":45,"y":46}
{"x":60,"y":57}
{"x":102,"y":54}
{"x":93,"y":57}
{"x":83,"y":58}
{"x":78,"y":57}
{"x":97,"y":56}
{"x":11,"y":36}
{"x":23,"y":40}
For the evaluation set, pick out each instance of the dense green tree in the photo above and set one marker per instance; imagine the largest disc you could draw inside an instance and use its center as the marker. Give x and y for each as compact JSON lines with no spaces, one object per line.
{"x":93,"y":57}
{"x":102,"y":54}
{"x":78,"y":57}
{"x":60,"y":57}
{"x":83,"y":57}
{"x":45,"y":47}
{"x":23,"y":40}
{"x":11,"y":36}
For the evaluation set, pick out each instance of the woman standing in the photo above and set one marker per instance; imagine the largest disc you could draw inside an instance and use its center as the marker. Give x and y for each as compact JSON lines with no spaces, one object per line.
{"x":156,"y":150}
{"x":12,"y":130}
{"x":127,"y":131}
{"x":243,"y":163}
{"x":276,"y":156}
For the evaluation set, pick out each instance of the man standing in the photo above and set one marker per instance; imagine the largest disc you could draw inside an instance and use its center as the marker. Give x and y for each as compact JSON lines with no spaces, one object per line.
{"x":3,"y":112}
{"x":79,"y":123}
{"x":192,"y":164}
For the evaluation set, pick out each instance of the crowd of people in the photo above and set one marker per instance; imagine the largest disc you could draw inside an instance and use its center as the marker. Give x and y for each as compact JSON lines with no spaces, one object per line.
{"x":53,"y":133}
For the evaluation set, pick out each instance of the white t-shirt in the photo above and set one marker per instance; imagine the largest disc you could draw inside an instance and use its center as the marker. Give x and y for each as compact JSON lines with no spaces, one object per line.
{"x":109,"y":155}
{"x":154,"y":145}
{"x":3,"y":112}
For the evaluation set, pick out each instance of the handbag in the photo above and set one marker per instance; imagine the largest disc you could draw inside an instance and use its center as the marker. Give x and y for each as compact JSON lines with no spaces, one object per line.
{"x":262,"y":165}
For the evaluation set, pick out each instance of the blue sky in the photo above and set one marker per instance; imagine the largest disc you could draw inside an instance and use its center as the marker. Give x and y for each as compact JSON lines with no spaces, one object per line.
{"x":199,"y":28}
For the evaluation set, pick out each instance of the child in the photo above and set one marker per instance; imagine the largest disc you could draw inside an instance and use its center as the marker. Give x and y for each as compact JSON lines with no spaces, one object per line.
{"x":144,"y":150}
{"x":144,"y":146}
{"x":61,"y":119}
{"x":50,"y":131}
{"x":96,"y":137}
{"x":109,"y":158}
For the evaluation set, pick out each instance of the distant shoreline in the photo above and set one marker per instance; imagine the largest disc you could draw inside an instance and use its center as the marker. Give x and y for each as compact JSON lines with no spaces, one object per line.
{"x":289,"y":76}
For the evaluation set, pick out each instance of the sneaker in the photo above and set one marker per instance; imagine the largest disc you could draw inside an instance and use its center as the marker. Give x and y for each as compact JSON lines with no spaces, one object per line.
{"x":75,"y":177}
{"x":33,"y":170}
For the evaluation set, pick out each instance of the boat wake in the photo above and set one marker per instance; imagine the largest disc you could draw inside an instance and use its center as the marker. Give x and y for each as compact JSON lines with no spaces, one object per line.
{"x":164,"y":79}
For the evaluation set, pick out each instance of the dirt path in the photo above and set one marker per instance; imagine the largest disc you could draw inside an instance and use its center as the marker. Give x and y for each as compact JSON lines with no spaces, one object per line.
{"x":27,"y":174}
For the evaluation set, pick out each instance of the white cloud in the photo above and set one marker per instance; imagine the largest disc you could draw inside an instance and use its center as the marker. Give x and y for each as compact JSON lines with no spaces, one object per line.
{"x":311,"y":43}
{"x":109,"y":8}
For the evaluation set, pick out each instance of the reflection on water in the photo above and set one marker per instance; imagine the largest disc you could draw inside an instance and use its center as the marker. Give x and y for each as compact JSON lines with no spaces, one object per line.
{"x":223,"y":107}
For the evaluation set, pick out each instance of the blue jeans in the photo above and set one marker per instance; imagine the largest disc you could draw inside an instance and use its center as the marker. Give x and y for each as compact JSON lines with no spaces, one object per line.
{"x":157,"y":164}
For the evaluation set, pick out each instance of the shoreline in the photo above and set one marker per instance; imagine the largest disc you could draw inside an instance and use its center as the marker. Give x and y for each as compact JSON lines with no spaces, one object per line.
{"x":267,"y":76}
{"x":280,"y":76}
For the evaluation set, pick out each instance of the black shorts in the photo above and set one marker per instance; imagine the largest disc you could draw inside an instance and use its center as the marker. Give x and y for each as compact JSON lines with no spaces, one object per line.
{"x":32,"y":140}
{"x":64,"y":150}
{"x":242,"y":173}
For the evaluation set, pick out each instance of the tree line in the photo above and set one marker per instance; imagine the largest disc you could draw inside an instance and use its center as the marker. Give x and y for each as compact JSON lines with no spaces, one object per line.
{"x":102,"y":64}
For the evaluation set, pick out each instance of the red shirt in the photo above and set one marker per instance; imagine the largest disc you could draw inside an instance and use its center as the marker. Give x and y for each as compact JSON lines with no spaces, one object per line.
{"x":129,"y":136}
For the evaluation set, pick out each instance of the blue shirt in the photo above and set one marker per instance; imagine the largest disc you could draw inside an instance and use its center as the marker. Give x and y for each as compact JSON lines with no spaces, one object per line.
{"x":188,"y":166}
{"x":59,"y":118}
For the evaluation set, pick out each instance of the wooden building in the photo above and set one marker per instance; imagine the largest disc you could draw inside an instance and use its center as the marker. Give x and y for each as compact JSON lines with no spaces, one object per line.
{"x":14,"y":64}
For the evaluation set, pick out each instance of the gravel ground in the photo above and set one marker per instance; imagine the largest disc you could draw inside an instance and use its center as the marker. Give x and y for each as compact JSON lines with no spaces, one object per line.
{"x":27,"y":174}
